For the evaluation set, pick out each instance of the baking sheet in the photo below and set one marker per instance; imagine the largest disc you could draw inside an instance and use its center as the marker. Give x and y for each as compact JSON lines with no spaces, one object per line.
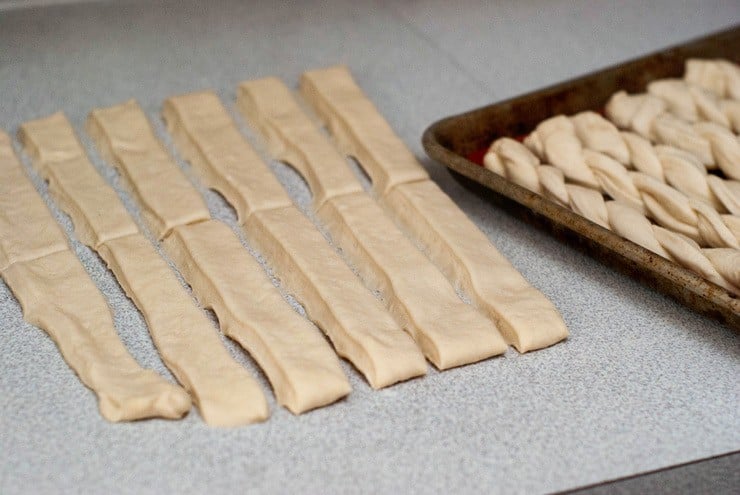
{"x":460,"y":141}
{"x":641,"y":384}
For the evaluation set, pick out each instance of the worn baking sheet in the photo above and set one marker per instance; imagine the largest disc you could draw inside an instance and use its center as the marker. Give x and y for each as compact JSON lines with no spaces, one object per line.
{"x":455,"y":140}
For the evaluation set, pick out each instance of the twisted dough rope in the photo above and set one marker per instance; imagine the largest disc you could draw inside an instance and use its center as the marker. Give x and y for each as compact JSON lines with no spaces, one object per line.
{"x":667,"y":163}
{"x":514,"y":161}
{"x":683,"y":115}
{"x":717,"y":76}
{"x":691,"y":208}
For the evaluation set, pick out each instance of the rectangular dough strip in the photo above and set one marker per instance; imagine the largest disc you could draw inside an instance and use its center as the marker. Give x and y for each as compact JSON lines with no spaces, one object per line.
{"x":527,"y":318}
{"x":300,"y":365}
{"x":57,"y":295}
{"x":223,"y":391}
{"x":449,"y":332}
{"x":357,"y":324}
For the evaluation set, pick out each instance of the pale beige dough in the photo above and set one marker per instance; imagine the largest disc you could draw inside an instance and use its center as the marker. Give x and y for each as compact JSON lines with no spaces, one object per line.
{"x":449,"y":332}
{"x":721,"y":77}
{"x":293,"y":138}
{"x":247,"y":189}
{"x":628,"y":218}
{"x":302,"y":368}
{"x":224,"y":277}
{"x":223,"y":391}
{"x":57,"y":295}
{"x":24,"y":214}
{"x":631,"y":224}
{"x":383,"y":154}
{"x":358,"y":326}
{"x":464,"y":254}
{"x":727,"y":262}
{"x":163,"y":208}
{"x":687,"y":252}
{"x":354,"y":320}
{"x":73,"y":182}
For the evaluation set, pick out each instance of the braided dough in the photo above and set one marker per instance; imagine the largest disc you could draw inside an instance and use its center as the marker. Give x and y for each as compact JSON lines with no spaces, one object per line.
{"x":358,"y":326}
{"x":637,"y":194}
{"x":57,"y":295}
{"x":299,"y":364}
{"x":683,"y":116}
{"x":460,"y":250}
{"x":222,"y":390}
{"x":449,"y":332}
{"x":717,"y":76}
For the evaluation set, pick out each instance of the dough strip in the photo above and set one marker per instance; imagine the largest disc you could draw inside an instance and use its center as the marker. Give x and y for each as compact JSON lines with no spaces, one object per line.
{"x":57,"y":295}
{"x":526,"y":317}
{"x":357,"y":324}
{"x":300,"y":365}
{"x":449,"y":332}
{"x":223,"y":391}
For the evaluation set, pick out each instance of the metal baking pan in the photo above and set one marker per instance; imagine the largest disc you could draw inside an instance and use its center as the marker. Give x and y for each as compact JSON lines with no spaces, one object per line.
{"x":460,"y":141}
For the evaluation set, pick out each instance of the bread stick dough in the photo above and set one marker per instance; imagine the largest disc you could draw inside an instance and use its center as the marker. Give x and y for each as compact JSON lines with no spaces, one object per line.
{"x":57,"y":295}
{"x":24,"y":214}
{"x":73,"y":182}
{"x":225,"y":278}
{"x":356,"y":323}
{"x":358,"y":326}
{"x":527,"y":319}
{"x":294,"y":139}
{"x":303,"y":370}
{"x":464,"y":254}
{"x":247,"y":189}
{"x":126,"y":129}
{"x":223,"y":391}
{"x":385,"y":157}
{"x":449,"y":332}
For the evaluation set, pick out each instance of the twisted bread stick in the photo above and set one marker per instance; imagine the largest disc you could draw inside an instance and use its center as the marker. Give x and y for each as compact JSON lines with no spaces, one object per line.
{"x":659,"y":119}
{"x":513,"y":160}
{"x":565,"y":143}
{"x":717,"y":76}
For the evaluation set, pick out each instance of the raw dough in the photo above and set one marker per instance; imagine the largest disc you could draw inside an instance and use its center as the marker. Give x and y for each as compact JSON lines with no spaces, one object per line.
{"x":162,"y":208}
{"x":224,"y":392}
{"x":627,"y":217}
{"x":450,"y":332}
{"x":464,"y":254}
{"x":227,"y":279}
{"x":292,"y":137}
{"x":360,"y":329}
{"x":383,"y":154}
{"x":73,"y":182}
{"x":57,"y":295}
{"x":302,"y":368}
{"x":718,"y":76}
{"x":23,"y":214}
{"x":222,"y":157}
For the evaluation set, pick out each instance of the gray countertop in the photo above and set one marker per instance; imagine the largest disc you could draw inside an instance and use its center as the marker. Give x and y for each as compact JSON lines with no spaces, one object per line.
{"x":642,"y":383}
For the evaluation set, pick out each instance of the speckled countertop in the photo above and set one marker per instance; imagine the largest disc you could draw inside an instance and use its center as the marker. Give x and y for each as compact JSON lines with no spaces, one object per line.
{"x":641,"y":384}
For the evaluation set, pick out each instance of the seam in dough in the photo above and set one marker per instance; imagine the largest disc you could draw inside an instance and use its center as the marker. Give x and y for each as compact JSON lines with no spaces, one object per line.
{"x":357,"y":324}
{"x":461,"y":251}
{"x":225,"y":394}
{"x":450,"y":332}
{"x":147,"y":170}
{"x":58,"y":296}
{"x":227,"y":279}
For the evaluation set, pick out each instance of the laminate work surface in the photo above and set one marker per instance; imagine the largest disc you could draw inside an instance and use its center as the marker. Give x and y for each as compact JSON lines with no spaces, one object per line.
{"x":641,"y":384}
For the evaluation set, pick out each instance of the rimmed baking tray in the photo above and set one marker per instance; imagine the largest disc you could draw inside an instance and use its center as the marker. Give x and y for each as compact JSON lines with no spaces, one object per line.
{"x":459,"y":142}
